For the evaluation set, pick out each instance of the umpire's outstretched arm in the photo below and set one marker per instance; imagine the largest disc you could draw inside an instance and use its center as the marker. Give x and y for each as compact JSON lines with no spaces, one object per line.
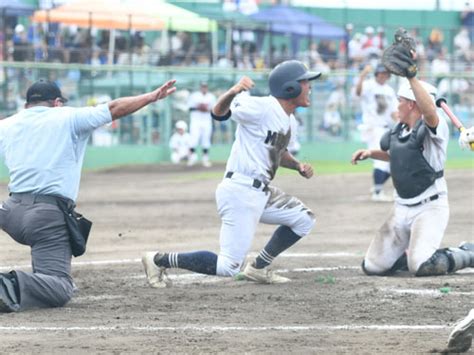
{"x":127,"y":105}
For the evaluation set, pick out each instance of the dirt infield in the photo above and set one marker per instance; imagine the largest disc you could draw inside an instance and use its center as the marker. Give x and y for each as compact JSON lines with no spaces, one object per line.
{"x":329,"y":307}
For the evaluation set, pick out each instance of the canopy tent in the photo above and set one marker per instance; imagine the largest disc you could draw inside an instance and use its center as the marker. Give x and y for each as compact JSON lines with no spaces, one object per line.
{"x":212,"y":10}
{"x":176,"y":18}
{"x":15,"y":8}
{"x":105,"y":14}
{"x":287,"y":20}
{"x":125,"y":14}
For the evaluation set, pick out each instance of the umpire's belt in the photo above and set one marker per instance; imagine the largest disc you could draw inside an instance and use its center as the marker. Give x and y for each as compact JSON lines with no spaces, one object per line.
{"x":253,"y":182}
{"x":30,"y":199}
{"x":425,"y":200}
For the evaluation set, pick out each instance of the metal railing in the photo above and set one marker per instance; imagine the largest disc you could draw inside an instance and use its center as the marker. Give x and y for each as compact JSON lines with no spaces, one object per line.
{"x":333,"y":116}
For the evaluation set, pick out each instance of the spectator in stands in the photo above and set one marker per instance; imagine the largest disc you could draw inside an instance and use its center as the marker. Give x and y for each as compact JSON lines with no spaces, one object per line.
{"x":420,"y":47}
{"x":467,"y":19}
{"x":440,"y":66}
{"x":356,"y":53}
{"x":369,"y":43}
{"x":21,"y":47}
{"x":454,"y":88}
{"x":312,"y":56}
{"x":36,"y":37}
{"x":332,"y":120}
{"x":344,"y":44}
{"x":202,"y":52}
{"x":280,"y":55}
{"x":141,"y":50}
{"x":435,"y":43}
{"x":181,"y":48}
{"x":462,"y":45}
{"x":327,"y":50}
{"x":379,"y":40}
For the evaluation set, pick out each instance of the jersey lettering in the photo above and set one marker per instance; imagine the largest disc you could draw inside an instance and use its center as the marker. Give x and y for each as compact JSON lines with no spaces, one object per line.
{"x":271,"y":137}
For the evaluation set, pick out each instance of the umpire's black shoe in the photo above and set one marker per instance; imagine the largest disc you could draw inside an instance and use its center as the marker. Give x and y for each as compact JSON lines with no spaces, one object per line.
{"x":8,"y":297}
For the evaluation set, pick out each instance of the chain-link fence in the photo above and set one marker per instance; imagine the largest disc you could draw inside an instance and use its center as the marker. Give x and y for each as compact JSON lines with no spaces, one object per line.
{"x":333,"y":116}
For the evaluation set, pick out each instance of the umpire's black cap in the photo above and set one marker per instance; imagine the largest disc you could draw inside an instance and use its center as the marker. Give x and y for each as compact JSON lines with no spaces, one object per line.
{"x":44,"y":90}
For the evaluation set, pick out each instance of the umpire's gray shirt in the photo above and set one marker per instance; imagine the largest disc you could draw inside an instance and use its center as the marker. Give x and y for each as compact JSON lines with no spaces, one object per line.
{"x":44,"y":147}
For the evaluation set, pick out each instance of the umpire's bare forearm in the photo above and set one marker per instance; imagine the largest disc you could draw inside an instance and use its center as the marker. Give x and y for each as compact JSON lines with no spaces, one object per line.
{"x":127,"y":105}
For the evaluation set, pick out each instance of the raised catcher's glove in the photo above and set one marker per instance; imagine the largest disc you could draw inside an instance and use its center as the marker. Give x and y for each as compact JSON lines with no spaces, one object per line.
{"x":398,"y":57}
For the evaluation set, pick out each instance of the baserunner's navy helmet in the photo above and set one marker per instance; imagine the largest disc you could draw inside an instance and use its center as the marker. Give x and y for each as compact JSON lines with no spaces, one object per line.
{"x":285,"y":77}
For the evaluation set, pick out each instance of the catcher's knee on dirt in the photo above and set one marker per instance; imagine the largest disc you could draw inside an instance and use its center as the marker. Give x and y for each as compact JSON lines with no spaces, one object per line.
{"x":372,"y":270}
{"x":227,"y":266}
{"x":445,"y":261}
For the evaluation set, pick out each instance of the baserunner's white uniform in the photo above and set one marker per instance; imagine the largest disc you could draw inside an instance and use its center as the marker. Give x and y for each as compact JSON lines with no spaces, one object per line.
{"x":417,"y":229}
{"x":200,"y":123}
{"x":243,"y":199}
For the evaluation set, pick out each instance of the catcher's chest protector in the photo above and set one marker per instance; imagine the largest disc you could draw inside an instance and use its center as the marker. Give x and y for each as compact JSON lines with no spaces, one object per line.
{"x":410,"y":171}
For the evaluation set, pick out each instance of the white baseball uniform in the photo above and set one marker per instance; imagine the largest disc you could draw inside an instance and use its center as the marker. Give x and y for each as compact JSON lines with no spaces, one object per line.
{"x":378,"y":103}
{"x":243,"y":198}
{"x":200,"y":126}
{"x":418,"y":229}
{"x":180,"y":145}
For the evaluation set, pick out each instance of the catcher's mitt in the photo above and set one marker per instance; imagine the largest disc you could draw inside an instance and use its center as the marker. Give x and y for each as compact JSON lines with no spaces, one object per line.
{"x":398,"y":57}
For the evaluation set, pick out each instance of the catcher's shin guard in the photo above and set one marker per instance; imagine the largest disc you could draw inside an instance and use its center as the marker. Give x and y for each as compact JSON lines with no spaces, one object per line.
{"x":448,"y":260}
{"x":461,"y":257}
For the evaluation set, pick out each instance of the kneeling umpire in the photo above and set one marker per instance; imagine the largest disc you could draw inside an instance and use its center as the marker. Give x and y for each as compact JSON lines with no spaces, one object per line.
{"x":44,"y":148}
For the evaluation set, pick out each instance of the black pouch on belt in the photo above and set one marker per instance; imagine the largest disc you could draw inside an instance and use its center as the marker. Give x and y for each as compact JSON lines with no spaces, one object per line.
{"x":79,"y":227}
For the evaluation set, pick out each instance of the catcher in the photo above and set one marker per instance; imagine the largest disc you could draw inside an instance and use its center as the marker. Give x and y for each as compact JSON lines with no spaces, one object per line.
{"x":466,"y":138}
{"x":416,"y":150}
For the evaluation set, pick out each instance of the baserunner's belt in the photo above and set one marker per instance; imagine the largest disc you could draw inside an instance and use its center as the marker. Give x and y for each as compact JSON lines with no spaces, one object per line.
{"x":254,"y":182}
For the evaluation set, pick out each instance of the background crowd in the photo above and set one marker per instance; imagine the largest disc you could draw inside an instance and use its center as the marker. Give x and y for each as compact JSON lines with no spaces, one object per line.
{"x":445,"y":58}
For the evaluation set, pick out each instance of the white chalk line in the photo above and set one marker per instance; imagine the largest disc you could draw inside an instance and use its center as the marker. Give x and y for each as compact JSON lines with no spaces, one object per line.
{"x":135,"y":261}
{"x":223,"y":329}
{"x":97,"y":298}
{"x":426,"y":292}
{"x":194,"y":278}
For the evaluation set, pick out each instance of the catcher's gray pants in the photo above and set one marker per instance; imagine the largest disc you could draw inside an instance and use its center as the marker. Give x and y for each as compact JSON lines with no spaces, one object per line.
{"x":42,"y":227}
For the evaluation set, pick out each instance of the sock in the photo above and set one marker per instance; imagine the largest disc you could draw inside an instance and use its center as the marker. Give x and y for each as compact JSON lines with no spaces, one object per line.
{"x":379,"y":177}
{"x":203,"y":262}
{"x":282,"y":239}
{"x":205,"y":151}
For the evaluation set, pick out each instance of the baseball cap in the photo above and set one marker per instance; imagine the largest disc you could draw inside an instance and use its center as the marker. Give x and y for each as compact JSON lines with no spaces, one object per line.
{"x":181,"y":125}
{"x":380,"y":68}
{"x":369,"y":30}
{"x":43,"y":90}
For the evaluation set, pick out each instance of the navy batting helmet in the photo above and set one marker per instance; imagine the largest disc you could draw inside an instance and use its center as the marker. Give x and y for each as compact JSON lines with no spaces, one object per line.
{"x":285,"y":77}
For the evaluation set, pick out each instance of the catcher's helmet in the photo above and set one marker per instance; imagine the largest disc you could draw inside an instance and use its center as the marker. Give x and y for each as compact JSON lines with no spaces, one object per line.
{"x":406,"y":91}
{"x":284,"y":79}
